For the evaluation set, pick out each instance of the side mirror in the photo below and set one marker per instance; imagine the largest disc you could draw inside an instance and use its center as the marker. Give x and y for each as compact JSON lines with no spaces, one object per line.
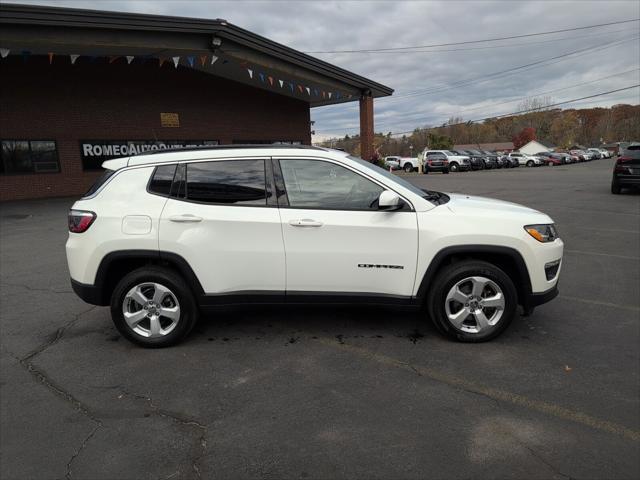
{"x":389,"y":201}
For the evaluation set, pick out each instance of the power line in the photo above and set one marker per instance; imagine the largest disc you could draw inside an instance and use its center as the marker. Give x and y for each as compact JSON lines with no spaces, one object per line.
{"x":532,"y":95}
{"x":492,"y":117}
{"x":495,"y":39}
{"x":509,"y":45}
{"x":506,"y":72}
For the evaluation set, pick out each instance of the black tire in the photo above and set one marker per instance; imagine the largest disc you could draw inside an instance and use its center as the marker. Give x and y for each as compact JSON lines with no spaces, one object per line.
{"x":448,"y":277}
{"x":453,"y":166}
{"x":615,"y":188}
{"x":178,"y":287}
{"x":408,"y":167}
{"x":530,"y":163}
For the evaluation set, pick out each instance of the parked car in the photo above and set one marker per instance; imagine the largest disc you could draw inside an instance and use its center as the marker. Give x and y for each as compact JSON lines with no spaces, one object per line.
{"x":392,"y":162}
{"x":435,"y":162}
{"x":489,"y":161}
{"x":457,"y":163}
{"x":525,"y":160}
{"x":582,"y":156}
{"x":495,"y":158}
{"x":597,"y":154}
{"x":553,"y":159}
{"x":476,"y":161}
{"x":163,"y":237}
{"x":626,"y":171}
{"x":511,"y":161}
{"x":605,"y":153}
{"x":409,"y":164}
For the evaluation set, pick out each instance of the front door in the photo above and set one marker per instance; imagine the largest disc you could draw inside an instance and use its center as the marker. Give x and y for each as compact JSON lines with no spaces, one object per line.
{"x":336,"y":241}
{"x":226,"y":225}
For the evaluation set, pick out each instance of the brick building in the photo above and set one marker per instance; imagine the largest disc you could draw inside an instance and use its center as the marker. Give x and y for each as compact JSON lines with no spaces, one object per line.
{"x":78,"y":87}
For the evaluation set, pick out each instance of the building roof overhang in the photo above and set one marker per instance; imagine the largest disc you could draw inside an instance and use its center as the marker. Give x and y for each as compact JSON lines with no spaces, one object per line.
{"x":66,"y":31}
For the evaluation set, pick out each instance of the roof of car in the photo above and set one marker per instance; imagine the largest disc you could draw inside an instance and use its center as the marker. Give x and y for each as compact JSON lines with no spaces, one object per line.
{"x":216,"y":151}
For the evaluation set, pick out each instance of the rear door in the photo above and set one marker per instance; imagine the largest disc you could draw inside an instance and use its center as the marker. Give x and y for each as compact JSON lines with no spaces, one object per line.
{"x":223,"y":220}
{"x":336,"y":241}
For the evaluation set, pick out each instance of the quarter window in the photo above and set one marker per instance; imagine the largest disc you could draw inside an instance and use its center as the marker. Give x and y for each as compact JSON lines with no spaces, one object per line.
{"x":237,"y":182}
{"x":162,"y":180}
{"x":317,"y":184}
{"x":29,"y":156}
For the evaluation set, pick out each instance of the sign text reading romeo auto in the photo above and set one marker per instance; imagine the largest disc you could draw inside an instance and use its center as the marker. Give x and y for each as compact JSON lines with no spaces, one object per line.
{"x":94,"y":152}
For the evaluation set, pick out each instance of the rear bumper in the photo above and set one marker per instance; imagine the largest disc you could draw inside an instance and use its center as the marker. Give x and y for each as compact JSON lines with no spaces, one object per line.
{"x":89,"y":293}
{"x":627,"y":179}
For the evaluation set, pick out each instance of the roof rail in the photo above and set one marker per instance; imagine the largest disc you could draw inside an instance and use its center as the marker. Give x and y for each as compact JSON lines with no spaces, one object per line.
{"x":227,"y":147}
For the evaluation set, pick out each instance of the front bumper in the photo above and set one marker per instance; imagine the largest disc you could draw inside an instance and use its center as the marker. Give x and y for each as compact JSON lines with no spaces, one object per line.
{"x":532,"y":300}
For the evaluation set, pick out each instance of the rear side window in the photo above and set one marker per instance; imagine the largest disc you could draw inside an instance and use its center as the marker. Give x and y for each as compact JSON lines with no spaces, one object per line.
{"x":162,"y":180}
{"x":235,"y":182}
{"x":102,"y":179}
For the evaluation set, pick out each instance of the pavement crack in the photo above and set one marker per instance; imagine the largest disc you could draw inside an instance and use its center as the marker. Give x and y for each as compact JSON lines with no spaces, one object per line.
{"x":181,"y":419}
{"x":81,"y":448}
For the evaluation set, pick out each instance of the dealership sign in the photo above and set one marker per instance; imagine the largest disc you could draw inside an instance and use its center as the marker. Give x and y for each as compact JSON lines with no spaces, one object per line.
{"x":94,"y":152}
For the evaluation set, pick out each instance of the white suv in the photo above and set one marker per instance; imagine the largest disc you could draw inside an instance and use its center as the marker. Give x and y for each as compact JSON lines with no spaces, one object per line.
{"x":162,"y":237}
{"x":528,"y":160}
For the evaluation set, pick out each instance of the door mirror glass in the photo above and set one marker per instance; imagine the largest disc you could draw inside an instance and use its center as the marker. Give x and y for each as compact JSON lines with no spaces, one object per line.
{"x":389,"y":200}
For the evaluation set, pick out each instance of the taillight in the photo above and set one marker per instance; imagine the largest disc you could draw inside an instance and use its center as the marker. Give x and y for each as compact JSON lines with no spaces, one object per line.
{"x":80,"y":220}
{"x":624,"y":159}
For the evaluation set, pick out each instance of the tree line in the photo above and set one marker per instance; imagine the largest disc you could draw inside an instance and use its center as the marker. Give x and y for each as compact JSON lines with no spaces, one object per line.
{"x":561,"y":128}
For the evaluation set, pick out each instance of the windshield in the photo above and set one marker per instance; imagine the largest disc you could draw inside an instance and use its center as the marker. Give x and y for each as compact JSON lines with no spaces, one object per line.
{"x":448,"y":152}
{"x":388,"y":175}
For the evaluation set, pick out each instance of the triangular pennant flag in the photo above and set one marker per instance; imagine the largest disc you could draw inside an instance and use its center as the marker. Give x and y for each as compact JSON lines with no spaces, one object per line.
{"x":291,"y":87}
{"x":50,"y":57}
{"x":323,"y":94}
{"x":161,"y":60}
{"x":271,"y":80}
{"x":130,"y":59}
{"x":191,"y":61}
{"x":250,"y":72}
{"x":214,"y":59}
{"x":203,"y":60}
{"x":315,"y":92}
{"x":176,"y":61}
{"x":261,"y":75}
{"x":350,"y":96}
{"x":4,"y":52}
{"x":73,"y":59}
{"x":300,"y":88}
{"x":308,"y":91}
{"x":329,"y":94}
{"x":113,"y":58}
{"x":281,"y":82}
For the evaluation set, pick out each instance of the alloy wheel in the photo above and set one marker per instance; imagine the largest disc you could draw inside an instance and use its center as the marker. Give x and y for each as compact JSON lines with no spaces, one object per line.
{"x":151,"y":310}
{"x":475,"y":304}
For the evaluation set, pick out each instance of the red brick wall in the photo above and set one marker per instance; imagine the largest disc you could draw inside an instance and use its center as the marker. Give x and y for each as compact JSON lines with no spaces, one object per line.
{"x":89,"y":101}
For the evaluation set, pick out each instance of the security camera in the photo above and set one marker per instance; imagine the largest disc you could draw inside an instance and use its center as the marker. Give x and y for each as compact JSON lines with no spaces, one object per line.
{"x":216,"y":41}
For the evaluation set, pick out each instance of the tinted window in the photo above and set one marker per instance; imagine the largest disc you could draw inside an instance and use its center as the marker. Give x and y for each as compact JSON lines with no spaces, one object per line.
{"x":237,"y":182}
{"x":325,"y":185}
{"x":99,"y":182}
{"x":162,"y":180}
{"x":29,"y":156}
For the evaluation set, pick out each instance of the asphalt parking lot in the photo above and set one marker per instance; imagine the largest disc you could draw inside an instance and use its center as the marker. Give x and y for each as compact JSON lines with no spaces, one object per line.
{"x":333,"y":393}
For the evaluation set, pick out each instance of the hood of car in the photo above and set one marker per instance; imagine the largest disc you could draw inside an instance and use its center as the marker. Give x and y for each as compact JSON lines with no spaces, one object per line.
{"x":482,"y":206}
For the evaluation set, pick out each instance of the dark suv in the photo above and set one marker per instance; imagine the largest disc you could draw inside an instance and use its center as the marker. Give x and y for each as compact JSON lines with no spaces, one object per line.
{"x":436,"y":162}
{"x":477,"y":162}
{"x":626,"y":172}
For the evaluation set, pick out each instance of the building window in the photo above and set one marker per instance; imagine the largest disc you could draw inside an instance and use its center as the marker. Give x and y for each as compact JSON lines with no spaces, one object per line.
{"x":29,"y":156}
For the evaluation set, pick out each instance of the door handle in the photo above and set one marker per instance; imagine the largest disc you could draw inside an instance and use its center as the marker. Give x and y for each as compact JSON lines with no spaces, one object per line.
{"x":185,"y":218}
{"x":305,"y":222}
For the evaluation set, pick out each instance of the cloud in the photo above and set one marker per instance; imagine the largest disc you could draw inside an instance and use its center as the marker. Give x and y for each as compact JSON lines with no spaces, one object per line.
{"x":353,"y":25}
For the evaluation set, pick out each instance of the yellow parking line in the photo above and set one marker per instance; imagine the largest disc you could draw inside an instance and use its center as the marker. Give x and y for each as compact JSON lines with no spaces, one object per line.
{"x":605,"y":304}
{"x":499,"y":395}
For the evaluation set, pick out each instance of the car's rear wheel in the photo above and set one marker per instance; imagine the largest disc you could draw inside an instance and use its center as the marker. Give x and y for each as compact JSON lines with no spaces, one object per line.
{"x":453,"y":166}
{"x":615,"y":188}
{"x":408,"y":167}
{"x":153,"y":307}
{"x":472,"y":301}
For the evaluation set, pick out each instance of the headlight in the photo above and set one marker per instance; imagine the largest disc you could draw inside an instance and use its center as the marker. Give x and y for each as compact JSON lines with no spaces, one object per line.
{"x":542,"y":233}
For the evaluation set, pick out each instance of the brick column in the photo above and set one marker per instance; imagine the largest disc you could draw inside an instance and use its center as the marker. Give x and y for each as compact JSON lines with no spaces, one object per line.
{"x":366,"y":126}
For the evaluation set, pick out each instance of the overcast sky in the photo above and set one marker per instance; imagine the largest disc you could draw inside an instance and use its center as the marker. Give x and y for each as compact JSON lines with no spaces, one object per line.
{"x":428,"y":75}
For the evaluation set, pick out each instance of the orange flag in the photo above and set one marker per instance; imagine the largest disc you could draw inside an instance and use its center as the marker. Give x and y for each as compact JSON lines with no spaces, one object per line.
{"x":203,"y":59}
{"x":161,"y":60}
{"x":271,"y":81}
{"x":50,"y":58}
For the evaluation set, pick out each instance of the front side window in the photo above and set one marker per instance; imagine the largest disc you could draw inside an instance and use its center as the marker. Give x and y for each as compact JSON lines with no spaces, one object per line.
{"x":227,"y":182}
{"x":29,"y":156}
{"x":316,"y":184}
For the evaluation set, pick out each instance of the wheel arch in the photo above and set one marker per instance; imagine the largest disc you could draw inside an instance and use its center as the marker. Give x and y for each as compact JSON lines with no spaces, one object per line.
{"x":506,"y":258}
{"x":116,"y":265}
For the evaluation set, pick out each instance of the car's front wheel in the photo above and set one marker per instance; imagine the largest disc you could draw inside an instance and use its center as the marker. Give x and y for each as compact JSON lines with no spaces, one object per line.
{"x":153,"y":307}
{"x":453,"y":166}
{"x":408,"y":167}
{"x":530,"y":163}
{"x":472,"y":301}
